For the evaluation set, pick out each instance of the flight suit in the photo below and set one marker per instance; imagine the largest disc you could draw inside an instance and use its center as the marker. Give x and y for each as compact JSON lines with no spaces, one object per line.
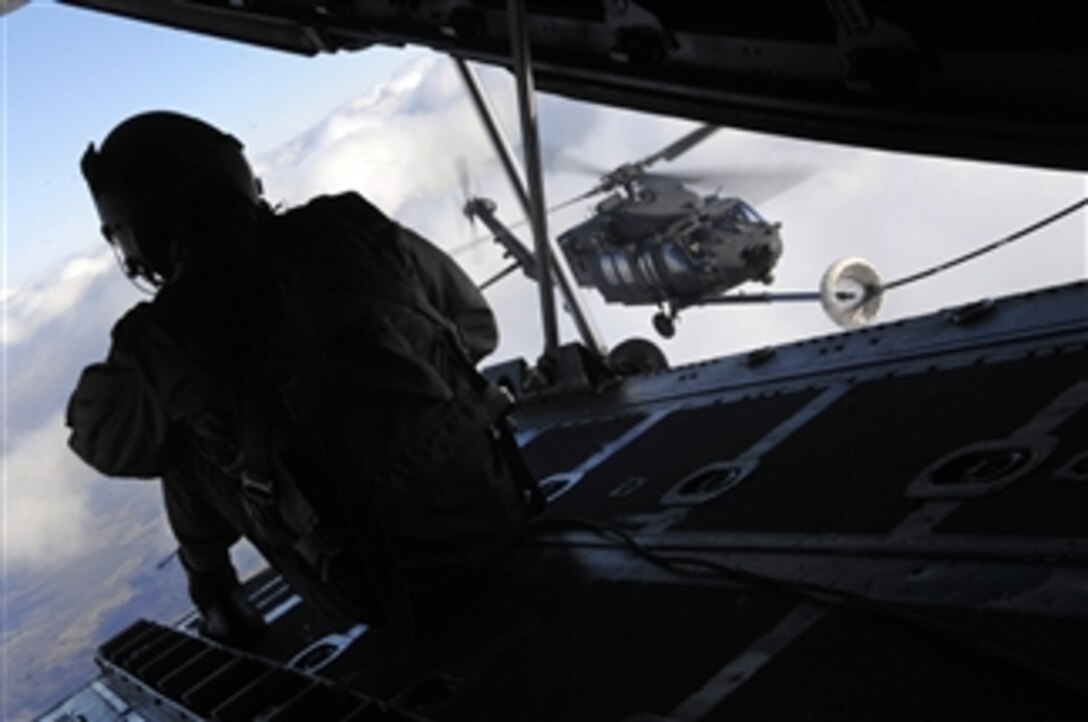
{"x":166,"y":402}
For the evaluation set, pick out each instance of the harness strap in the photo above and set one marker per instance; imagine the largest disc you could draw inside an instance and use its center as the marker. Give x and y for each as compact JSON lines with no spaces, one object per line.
{"x":497,"y":401}
{"x":271,"y":488}
{"x":265,"y":481}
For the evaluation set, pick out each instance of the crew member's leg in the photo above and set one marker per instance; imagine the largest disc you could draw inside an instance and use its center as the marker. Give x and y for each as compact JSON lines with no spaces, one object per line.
{"x":206,"y":523}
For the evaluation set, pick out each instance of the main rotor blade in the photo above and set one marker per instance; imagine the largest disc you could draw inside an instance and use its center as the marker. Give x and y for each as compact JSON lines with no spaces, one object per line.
{"x":571,"y":201}
{"x":628,"y":172}
{"x":754,"y":184}
{"x":683,"y":145}
{"x":574,"y":165}
{"x":499,"y":276}
{"x":759,"y":187}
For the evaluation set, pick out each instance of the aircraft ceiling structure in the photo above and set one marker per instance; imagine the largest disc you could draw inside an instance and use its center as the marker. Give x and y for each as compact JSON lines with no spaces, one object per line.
{"x":1003,"y":82}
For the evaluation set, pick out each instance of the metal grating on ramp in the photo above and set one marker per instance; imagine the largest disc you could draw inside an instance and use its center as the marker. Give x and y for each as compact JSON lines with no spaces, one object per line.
{"x":180,"y":677}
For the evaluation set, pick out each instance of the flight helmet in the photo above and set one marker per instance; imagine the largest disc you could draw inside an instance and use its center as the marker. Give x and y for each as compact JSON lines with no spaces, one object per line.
{"x":153,"y":173}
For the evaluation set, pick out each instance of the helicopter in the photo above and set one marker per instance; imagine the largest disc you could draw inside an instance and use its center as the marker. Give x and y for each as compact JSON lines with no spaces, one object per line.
{"x":653,"y":241}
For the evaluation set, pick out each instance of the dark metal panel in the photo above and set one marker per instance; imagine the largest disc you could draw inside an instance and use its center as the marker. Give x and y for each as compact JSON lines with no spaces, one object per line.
{"x":564,"y":448}
{"x":218,"y":20}
{"x":847,"y":471}
{"x":1044,"y":504}
{"x":858,"y":667}
{"x":611,"y":650}
{"x":993,"y":81}
{"x":681,"y":443}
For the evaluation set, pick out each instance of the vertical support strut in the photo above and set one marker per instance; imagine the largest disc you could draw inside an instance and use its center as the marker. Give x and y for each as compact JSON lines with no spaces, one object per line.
{"x":586,"y":329}
{"x":494,"y":132}
{"x":519,"y":39}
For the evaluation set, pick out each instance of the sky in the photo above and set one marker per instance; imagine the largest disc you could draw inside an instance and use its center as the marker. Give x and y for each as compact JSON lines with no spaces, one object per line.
{"x":389,"y":123}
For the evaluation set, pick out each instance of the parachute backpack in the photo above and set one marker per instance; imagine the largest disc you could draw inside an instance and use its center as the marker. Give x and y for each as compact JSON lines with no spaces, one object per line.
{"x":420,"y":482}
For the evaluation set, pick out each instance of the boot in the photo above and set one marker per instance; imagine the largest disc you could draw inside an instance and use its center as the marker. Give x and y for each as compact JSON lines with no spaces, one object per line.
{"x":227,"y":616}
{"x":232,"y":620}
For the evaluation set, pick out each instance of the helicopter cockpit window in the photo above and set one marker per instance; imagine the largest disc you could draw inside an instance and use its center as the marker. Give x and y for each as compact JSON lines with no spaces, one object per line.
{"x":725,"y":225}
{"x":702,"y":236}
{"x":743,"y":212}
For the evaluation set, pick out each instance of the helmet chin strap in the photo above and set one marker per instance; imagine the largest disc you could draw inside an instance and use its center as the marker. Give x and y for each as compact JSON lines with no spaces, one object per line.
{"x":134,"y":272}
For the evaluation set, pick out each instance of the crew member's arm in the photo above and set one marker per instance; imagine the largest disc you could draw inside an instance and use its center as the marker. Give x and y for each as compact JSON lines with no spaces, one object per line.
{"x":125,"y":413}
{"x":115,"y":423}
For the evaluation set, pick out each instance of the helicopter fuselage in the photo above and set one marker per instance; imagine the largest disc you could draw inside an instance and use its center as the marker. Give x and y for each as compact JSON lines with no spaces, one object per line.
{"x":657,"y":242}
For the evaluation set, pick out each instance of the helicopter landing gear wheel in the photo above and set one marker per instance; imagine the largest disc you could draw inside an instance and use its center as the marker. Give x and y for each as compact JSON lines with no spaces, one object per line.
{"x":637,"y":356}
{"x":664,"y":324}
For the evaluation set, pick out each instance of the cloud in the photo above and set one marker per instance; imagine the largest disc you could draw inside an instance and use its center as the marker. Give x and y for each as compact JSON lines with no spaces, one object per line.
{"x":29,"y":309}
{"x":45,"y":500}
{"x":396,"y":143}
{"x":54,"y":328}
{"x":905,"y":214}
